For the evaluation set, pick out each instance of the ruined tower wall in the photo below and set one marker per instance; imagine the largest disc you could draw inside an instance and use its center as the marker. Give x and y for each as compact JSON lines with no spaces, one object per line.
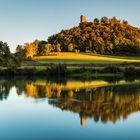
{"x":83,"y":19}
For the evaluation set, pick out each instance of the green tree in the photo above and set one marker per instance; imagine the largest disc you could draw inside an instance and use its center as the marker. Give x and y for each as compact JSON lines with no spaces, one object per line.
{"x":96,"y":21}
{"x":6,"y":58}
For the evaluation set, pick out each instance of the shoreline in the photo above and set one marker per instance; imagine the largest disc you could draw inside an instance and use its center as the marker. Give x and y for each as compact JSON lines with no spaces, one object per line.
{"x":61,"y":70}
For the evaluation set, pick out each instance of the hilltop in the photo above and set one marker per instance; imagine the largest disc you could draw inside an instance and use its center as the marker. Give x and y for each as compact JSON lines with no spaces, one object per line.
{"x":105,"y":36}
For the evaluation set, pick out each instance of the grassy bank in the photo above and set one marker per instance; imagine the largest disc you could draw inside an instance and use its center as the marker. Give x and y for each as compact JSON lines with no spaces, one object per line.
{"x":61,"y":70}
{"x":77,"y":65}
{"x":75,"y":61}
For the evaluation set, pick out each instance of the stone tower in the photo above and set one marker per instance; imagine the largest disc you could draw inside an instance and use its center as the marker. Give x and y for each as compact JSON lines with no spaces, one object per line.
{"x":83,"y":120}
{"x":83,"y":19}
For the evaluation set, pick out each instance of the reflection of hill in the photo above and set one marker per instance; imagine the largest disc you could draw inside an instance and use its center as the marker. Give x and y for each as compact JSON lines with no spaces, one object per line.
{"x":105,"y":104}
{"x":108,"y":103}
{"x":48,"y":87}
{"x":97,"y":100}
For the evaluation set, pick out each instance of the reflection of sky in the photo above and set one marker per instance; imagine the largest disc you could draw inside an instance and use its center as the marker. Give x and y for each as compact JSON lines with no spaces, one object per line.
{"x":23,"y":21}
{"x":22,"y":118}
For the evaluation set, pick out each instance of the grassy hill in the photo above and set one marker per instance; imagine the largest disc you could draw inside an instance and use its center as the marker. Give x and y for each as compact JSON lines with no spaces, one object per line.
{"x":83,"y":58}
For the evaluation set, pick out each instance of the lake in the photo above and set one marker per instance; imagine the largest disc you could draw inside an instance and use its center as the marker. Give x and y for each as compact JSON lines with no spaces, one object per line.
{"x":40,"y":108}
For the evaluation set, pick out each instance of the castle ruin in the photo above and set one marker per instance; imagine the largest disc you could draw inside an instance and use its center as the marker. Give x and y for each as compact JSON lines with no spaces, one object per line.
{"x":83,"y":19}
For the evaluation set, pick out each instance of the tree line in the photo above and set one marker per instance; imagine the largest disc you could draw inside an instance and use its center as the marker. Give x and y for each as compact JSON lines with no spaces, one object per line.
{"x":104,"y":36}
{"x":7,"y":59}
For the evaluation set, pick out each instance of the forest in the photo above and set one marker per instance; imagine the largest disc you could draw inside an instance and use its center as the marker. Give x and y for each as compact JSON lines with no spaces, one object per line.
{"x":105,"y":36}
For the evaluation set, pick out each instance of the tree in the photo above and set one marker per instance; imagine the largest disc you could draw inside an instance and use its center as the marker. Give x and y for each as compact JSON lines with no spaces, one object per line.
{"x":41,"y":47}
{"x":31,"y":49}
{"x":70,"y":47}
{"x":104,"y":20}
{"x":96,"y":21}
{"x":57,"y":47}
{"x":125,"y":22}
{"x":4,"y":49}
{"x":20,"y":53}
{"x":47,"y":49}
{"x":6,"y":58}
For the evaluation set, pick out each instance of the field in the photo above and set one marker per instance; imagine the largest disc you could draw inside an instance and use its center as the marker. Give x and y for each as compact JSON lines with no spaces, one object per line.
{"x":79,"y":58}
{"x":79,"y":65}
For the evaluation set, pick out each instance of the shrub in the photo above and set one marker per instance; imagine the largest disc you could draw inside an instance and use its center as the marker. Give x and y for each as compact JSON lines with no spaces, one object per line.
{"x":112,"y":69}
{"x":29,"y":71}
{"x":57,"y":69}
{"x":129,"y":71}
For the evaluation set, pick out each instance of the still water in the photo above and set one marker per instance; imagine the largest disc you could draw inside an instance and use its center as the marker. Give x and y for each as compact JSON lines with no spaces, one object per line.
{"x":69,"y":109}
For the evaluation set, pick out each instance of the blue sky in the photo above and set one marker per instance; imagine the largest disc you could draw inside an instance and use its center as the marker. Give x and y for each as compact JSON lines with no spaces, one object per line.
{"x":23,"y":21}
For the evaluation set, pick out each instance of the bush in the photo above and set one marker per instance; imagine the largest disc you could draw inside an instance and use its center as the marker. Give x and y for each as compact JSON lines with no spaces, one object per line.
{"x":112,"y":69}
{"x":57,"y":69}
{"x":130,"y":71}
{"x":29,"y":71}
{"x":10,"y":71}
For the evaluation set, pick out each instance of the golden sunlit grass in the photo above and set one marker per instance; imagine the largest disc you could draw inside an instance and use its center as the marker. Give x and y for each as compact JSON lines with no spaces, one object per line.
{"x":84,"y":58}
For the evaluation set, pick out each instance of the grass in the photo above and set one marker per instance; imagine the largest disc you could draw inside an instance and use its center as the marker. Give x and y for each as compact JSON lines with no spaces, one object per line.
{"x":81,"y":58}
{"x":78,"y":61}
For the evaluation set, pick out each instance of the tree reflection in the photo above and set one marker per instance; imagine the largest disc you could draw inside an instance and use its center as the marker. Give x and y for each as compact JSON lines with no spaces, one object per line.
{"x":4,"y":89}
{"x":108,"y":103}
{"x":105,"y":104}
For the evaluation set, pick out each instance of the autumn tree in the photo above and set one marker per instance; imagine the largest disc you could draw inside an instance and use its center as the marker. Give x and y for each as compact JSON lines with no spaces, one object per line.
{"x":47,"y":49}
{"x":31,"y":49}
{"x":57,"y":47}
{"x":70,"y":47}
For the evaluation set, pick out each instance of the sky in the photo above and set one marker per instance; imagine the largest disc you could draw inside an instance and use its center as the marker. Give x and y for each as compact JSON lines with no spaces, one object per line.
{"x":23,"y":21}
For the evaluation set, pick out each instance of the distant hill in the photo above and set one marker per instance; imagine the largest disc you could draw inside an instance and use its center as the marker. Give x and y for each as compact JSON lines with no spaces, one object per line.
{"x":104,"y":36}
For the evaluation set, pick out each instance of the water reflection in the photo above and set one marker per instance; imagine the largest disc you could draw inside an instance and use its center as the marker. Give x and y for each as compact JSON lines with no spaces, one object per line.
{"x":98,"y":100}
